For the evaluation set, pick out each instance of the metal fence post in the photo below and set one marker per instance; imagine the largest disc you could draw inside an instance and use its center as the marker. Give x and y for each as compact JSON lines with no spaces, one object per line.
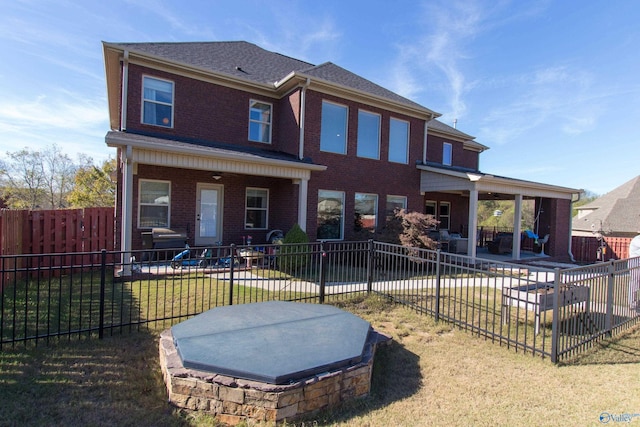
{"x":555,"y":321}
{"x":232,"y":257}
{"x":438,"y":278}
{"x":370,"y":266}
{"x":608,"y":319}
{"x":103,"y":275}
{"x":323,"y":268}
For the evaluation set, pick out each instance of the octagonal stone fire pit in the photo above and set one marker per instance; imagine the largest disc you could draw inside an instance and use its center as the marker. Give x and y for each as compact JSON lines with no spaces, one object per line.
{"x":268,"y":361}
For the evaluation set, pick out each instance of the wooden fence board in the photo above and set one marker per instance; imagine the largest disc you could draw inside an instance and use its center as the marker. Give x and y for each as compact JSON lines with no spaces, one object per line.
{"x":585,"y":248}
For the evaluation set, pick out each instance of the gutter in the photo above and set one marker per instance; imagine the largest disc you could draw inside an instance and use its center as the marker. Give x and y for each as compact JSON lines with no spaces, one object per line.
{"x":303,"y":107}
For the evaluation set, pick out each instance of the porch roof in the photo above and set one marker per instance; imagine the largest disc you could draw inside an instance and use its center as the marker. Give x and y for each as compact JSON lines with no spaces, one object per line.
{"x":204,"y":155}
{"x":437,"y":178}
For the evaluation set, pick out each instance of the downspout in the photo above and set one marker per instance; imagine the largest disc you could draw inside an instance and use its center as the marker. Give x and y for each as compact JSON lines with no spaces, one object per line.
{"x":303,"y":185}
{"x":571,"y":227}
{"x":303,"y":107}
{"x":124,"y":91}
{"x":126,"y":227}
{"x":424,"y":143}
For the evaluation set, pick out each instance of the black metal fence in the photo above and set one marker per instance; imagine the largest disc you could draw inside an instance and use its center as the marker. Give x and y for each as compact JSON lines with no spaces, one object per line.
{"x":515,"y":305}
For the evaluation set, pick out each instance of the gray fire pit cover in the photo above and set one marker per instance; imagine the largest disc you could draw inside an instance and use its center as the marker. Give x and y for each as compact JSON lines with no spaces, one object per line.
{"x":274,"y":342}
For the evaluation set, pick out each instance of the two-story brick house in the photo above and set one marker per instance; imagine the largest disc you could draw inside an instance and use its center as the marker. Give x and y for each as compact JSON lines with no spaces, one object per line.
{"x":226,"y":139}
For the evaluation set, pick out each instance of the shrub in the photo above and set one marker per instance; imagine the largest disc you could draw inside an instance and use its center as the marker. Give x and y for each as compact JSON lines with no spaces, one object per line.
{"x":294,"y":251}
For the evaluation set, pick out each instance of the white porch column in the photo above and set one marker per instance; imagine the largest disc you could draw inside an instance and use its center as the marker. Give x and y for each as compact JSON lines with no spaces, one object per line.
{"x":303,"y":188}
{"x":473,"y":223}
{"x":127,"y":209}
{"x":517,"y":227}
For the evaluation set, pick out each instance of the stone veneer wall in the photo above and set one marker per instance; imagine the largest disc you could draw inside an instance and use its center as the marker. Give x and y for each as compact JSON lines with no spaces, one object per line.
{"x":233,"y":400}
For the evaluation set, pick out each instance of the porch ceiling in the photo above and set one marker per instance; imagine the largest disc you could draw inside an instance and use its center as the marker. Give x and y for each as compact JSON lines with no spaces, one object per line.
{"x":171,"y":153}
{"x":438,"y":179}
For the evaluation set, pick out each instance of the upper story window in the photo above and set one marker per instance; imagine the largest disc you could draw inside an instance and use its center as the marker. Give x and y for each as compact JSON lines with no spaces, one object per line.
{"x":257,"y":209}
{"x":333,"y":134}
{"x":154,"y":199}
{"x":447,"y":152}
{"x":368,"y":135}
{"x":398,"y":141}
{"x":157,"y":102}
{"x":260,"y":121}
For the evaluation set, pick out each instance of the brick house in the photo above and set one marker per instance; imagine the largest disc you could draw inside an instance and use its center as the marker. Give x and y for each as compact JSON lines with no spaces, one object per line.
{"x":226,"y":139}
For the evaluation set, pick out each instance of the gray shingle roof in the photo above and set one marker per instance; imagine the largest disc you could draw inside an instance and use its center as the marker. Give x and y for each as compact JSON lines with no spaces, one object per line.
{"x":618,"y":211}
{"x":237,"y":58}
{"x":247,"y":61}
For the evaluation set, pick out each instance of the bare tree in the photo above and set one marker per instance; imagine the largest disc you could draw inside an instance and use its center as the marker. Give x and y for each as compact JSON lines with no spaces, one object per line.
{"x":37,"y":179}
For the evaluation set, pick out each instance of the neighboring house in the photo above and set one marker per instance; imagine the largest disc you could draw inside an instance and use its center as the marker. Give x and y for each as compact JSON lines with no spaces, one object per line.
{"x":616,"y":214}
{"x":226,"y":139}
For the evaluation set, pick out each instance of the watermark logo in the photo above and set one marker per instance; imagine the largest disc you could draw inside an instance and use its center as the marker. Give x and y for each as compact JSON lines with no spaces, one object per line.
{"x":607,"y":417}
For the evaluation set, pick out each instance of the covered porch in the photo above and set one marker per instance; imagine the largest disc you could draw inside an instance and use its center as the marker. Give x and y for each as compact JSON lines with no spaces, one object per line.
{"x":469,"y":187}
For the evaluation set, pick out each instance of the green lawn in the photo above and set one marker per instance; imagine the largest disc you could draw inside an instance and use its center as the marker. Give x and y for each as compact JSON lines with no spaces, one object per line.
{"x":432,"y":374}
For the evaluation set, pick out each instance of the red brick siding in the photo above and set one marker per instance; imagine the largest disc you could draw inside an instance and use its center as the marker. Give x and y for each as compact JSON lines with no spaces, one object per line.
{"x":282,"y":202}
{"x":210,"y":112}
{"x":350,"y":173}
{"x":459,"y":156}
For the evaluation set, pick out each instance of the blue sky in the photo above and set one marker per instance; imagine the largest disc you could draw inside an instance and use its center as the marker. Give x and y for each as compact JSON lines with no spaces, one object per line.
{"x":552,"y":87}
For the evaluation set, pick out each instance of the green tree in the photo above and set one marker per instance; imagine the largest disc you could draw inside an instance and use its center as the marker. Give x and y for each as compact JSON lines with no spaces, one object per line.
{"x":93,"y":185}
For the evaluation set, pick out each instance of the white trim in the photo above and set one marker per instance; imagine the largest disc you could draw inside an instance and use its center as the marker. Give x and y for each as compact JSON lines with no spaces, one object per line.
{"x":246,"y":208}
{"x":172,"y":105}
{"x":259,"y":122}
{"x":379,"y":116}
{"x":346,"y":126}
{"x":407,"y":144}
{"x":140,"y":182}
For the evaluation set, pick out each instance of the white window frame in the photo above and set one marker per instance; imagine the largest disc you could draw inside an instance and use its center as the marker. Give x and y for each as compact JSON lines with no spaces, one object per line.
{"x":324,"y":136}
{"x":261,"y":123}
{"x":447,"y":154}
{"x":447,"y":216}
{"x":156,"y":102}
{"x":363,"y":140}
{"x":337,"y":195}
{"x":141,"y":204}
{"x":375,"y":209}
{"x":393,"y":144}
{"x":434,"y":205}
{"x":261,"y":209}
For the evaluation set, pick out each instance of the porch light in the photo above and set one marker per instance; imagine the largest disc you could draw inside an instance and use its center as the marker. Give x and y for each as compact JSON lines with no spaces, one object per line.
{"x":217,"y":176}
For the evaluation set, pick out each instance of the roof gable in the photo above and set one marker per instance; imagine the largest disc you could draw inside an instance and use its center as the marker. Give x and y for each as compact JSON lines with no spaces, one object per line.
{"x":618,"y":211}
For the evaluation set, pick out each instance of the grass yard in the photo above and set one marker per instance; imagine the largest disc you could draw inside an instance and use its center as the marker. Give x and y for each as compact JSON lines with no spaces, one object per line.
{"x":432,"y":374}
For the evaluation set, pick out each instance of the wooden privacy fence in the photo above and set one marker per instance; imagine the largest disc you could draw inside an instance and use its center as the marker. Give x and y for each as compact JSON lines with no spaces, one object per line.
{"x":75,"y":232}
{"x":585,"y":248}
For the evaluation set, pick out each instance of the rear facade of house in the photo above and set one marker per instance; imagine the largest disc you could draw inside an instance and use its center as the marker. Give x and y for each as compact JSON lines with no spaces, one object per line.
{"x":225,"y":140}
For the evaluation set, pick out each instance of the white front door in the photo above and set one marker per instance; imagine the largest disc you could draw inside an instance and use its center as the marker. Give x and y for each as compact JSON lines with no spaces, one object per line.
{"x":208,"y":214}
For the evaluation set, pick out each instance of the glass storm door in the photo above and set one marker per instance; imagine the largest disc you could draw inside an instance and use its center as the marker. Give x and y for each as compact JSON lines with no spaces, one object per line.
{"x":208,"y":214}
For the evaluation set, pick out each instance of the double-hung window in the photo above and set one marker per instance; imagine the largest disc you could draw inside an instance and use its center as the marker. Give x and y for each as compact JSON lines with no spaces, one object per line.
{"x":366,"y":211}
{"x":368,"y":135}
{"x":333,"y":132}
{"x":330,"y":214}
{"x":157,"y":102}
{"x":260,"y":121}
{"x":154,"y":199}
{"x":447,"y":153}
{"x":256,"y":214}
{"x":398,"y":141}
{"x":444,"y":215}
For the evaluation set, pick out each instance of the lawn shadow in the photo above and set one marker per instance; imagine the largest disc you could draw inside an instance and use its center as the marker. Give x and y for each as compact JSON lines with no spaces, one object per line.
{"x":396,"y":376}
{"x":619,"y":349}
{"x":114,"y":381}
